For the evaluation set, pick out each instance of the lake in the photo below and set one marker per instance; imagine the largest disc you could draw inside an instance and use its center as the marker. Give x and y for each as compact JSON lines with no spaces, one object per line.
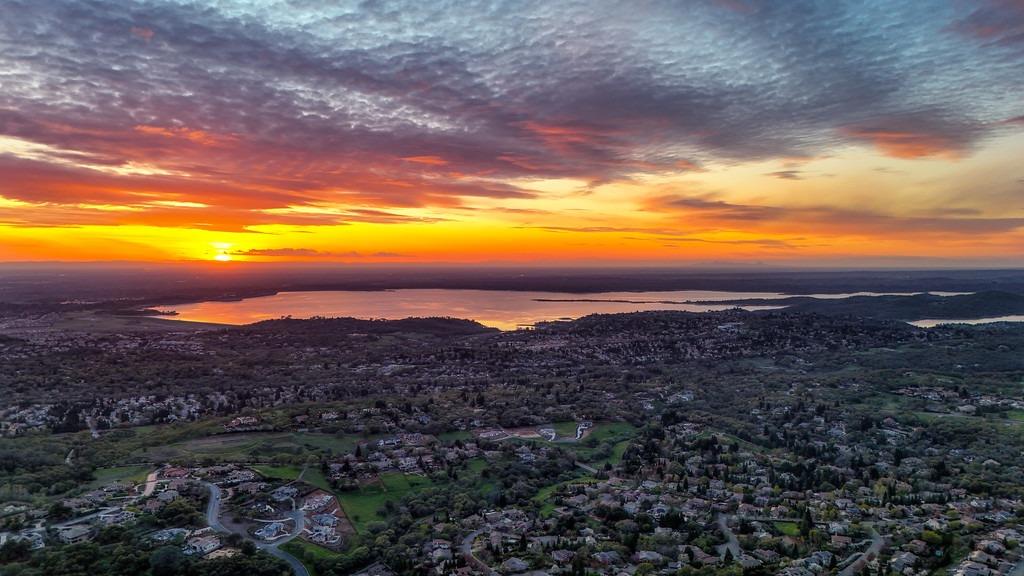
{"x":503,"y":309}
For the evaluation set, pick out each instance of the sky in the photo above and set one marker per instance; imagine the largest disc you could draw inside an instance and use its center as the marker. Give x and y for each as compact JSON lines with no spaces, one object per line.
{"x":872,"y":133}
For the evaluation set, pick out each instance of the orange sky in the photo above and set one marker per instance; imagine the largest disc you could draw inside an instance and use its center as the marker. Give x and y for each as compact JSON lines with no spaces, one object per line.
{"x":166,"y":140}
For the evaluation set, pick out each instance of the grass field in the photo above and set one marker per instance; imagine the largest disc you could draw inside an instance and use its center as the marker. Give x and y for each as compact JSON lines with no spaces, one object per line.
{"x":255,"y":446}
{"x":134,"y":474}
{"x":617,"y":451}
{"x":1015,"y":415}
{"x":565,"y":428}
{"x":617,"y":433}
{"x":312,"y":476}
{"x":362,"y":506}
{"x":543,"y":496}
{"x":612,"y":431}
{"x":306,"y":550}
{"x":448,"y":437}
{"x":787,"y":528}
{"x":280,"y":472}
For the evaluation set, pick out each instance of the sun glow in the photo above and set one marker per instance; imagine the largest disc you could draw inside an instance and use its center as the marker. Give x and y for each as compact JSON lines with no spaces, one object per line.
{"x":223,"y":254}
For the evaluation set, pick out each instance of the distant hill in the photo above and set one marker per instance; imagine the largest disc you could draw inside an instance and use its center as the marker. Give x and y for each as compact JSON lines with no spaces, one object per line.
{"x":336,"y":326}
{"x":986,"y":304}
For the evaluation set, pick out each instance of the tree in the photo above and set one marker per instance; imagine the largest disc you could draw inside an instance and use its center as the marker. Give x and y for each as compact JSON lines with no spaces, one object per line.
{"x":166,"y":561}
{"x":806,"y":523}
{"x":15,"y":551}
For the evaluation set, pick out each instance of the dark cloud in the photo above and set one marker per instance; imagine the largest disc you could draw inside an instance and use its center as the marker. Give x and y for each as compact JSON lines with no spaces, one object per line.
{"x":427,"y":103}
{"x":717,"y":209}
{"x":1000,"y":21}
{"x":786,"y":174}
{"x":705,"y":213}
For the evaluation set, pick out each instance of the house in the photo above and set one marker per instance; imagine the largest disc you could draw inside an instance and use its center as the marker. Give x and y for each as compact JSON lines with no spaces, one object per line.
{"x":271,"y":531}
{"x":175,"y":472}
{"x":562,"y":556}
{"x":918,"y":547}
{"x":514,"y":565}
{"x":202,"y":546}
{"x":325,"y":520}
{"x":168,"y":496}
{"x":841,"y":542}
{"x":903,"y":560}
{"x":75,"y":534}
{"x":167,"y":534}
{"x":609,"y":557}
{"x":117,"y":518}
{"x":284,"y":493}
{"x":648,"y":556}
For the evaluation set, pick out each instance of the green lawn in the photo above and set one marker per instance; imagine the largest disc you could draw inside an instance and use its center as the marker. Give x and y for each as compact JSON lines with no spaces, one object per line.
{"x":617,"y":433}
{"x":543,"y":496}
{"x":565,"y":428}
{"x":317,"y":442}
{"x":251,"y":446}
{"x":612,"y":431}
{"x":312,"y":476}
{"x":788,"y":528}
{"x":306,"y":550}
{"x":362,"y":506}
{"x":1015,"y":415}
{"x":477,"y":465}
{"x":617,"y":451}
{"x":448,"y":437}
{"x":134,"y":474}
{"x":281,"y":472}
{"x":315,"y":477}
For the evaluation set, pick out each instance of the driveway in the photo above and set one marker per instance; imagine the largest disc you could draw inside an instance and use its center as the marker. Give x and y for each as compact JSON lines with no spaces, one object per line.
{"x":150,"y":484}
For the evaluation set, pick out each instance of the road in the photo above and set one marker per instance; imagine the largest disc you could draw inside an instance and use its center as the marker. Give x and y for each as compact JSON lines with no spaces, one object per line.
{"x":467,"y":552}
{"x":272,"y":548}
{"x":586,"y":467}
{"x":732,"y":543}
{"x":150,"y":484}
{"x":877,"y":543}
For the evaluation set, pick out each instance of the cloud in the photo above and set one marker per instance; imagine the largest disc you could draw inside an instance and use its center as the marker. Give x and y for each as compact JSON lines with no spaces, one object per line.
{"x":704,"y":213}
{"x":1000,"y":21}
{"x":915,"y":137}
{"x":143,"y":32}
{"x":293,"y":253}
{"x":787,"y":174}
{"x":253,"y":108}
{"x":711,"y":208}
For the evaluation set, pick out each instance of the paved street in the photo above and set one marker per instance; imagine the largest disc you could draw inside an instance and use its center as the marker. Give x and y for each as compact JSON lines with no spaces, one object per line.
{"x":272,"y":548}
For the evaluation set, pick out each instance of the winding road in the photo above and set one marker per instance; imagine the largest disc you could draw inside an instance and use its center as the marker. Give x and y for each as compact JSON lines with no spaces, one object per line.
{"x":877,"y":543}
{"x":272,"y":548}
{"x":732,"y":543}
{"x":467,"y":552}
